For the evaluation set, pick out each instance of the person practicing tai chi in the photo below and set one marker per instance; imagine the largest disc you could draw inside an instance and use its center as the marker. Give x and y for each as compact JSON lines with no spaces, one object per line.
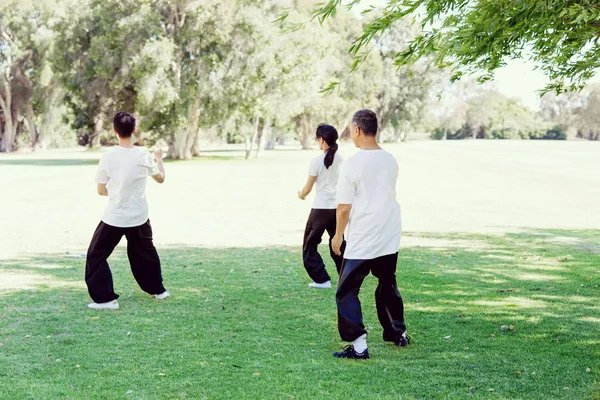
{"x":122,"y":174}
{"x":367,"y":206}
{"x":324,"y":171}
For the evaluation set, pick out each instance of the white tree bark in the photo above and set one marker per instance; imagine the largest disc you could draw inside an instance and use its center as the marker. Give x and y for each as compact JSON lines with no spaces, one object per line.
{"x":33,"y":133}
{"x":10,"y":131}
{"x":264,"y":137}
{"x":305,"y":134}
{"x":249,"y":142}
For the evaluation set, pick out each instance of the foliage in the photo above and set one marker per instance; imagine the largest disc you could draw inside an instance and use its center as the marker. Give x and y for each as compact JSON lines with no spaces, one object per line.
{"x":191,"y":70}
{"x":477,"y":37}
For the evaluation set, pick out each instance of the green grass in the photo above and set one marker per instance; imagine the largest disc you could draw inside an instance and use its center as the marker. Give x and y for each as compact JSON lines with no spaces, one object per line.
{"x":504,"y":317}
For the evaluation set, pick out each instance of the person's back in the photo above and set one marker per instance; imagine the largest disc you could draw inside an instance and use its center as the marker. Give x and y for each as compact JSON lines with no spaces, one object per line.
{"x":121,"y":176}
{"x":367,"y":206}
{"x":327,"y":180}
{"x":375,"y":211}
{"x":128,"y":170}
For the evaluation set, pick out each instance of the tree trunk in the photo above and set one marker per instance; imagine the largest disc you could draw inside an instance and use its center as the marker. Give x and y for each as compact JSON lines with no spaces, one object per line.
{"x":264,"y":138}
{"x":195,"y":150}
{"x":346,"y":135}
{"x":6,"y":145}
{"x":10,"y":131}
{"x":250,"y":142}
{"x":305,"y":136}
{"x":281,"y":139}
{"x":7,"y":140}
{"x":271,"y":143}
{"x":98,"y":126}
{"x":183,"y":142}
{"x":33,"y":133}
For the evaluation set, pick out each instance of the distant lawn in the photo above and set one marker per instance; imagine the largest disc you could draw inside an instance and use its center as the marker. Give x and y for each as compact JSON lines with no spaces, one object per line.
{"x":505,"y":317}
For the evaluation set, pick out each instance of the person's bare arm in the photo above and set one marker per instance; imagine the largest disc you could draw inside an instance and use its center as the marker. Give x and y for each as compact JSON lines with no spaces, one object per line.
{"x":160,"y":177}
{"x":102,"y":191}
{"x":342,"y":217}
{"x":307,"y":187}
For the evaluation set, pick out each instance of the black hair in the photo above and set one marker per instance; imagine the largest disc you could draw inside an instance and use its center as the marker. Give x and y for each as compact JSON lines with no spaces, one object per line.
{"x":330,"y":135}
{"x":124,"y":124}
{"x":366,"y":120}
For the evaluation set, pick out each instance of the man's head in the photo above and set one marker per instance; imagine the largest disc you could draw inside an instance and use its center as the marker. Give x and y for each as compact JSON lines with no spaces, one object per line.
{"x":364,"y":124}
{"x":124,"y":124}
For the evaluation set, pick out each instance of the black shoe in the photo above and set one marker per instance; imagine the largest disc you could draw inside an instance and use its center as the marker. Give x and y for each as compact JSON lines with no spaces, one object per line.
{"x":349,"y":352}
{"x":403,"y":341}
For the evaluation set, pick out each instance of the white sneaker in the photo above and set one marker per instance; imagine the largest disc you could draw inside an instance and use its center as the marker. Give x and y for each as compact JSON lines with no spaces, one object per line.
{"x":111,"y":305}
{"x":324,"y":285}
{"x":162,"y":296}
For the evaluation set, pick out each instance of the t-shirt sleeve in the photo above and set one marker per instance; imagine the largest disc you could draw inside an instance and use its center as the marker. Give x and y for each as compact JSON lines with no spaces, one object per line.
{"x":315,"y":167}
{"x":101,"y":171}
{"x":346,"y":185}
{"x":151,"y":165}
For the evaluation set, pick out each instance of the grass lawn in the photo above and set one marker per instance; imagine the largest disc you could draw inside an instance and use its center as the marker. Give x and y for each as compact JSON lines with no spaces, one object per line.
{"x":503,"y":317}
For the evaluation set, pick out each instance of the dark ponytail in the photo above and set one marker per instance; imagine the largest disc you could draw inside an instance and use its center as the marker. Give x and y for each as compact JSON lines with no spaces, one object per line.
{"x":330,"y":135}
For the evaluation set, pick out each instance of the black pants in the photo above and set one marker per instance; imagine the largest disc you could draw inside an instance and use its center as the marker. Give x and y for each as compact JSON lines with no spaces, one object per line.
{"x":319,"y":221}
{"x":143,"y":258}
{"x":390,"y":308}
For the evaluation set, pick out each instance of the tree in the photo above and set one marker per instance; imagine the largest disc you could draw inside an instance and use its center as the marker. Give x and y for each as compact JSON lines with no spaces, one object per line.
{"x":404,"y":92}
{"x":560,"y":37}
{"x":561,"y":110}
{"x":483,"y":112}
{"x":25,"y":39}
{"x":587,"y":116}
{"x":95,"y":55}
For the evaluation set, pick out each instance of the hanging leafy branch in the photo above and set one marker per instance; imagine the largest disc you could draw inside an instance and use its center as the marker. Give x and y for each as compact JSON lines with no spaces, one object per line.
{"x":476,"y":37}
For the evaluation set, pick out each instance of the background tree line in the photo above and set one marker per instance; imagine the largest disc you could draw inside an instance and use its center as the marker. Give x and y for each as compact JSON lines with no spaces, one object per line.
{"x":200,"y":70}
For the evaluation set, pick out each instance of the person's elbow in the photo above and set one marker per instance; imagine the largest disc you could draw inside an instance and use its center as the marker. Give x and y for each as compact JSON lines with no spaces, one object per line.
{"x":159,"y":178}
{"x":344,"y":208}
{"x":101,"y":189}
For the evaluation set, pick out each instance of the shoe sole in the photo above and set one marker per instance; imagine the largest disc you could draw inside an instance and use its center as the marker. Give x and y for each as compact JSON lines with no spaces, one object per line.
{"x":103,"y":308}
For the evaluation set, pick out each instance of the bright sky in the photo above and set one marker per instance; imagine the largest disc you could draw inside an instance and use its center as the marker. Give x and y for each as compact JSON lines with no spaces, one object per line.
{"x":518,"y":79}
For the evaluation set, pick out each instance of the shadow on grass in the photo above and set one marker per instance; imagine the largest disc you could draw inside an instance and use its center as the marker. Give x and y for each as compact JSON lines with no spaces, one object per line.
{"x":512,"y":316}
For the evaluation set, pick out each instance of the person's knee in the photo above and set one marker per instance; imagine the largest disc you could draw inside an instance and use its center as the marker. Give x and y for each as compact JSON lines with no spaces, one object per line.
{"x":340,"y":293}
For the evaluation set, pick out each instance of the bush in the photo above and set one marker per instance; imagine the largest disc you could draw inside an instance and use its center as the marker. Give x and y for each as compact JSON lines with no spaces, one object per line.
{"x":439,"y":133}
{"x":502,"y":134}
{"x":556,"y":133}
{"x":465,"y":132}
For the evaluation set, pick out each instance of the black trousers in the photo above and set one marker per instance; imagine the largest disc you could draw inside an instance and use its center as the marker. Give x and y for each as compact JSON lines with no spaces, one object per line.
{"x":143,"y":258}
{"x":319,"y":221}
{"x":390,"y":308}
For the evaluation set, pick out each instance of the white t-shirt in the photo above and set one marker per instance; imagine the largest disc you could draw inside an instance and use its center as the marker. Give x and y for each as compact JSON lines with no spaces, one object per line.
{"x":125,"y":172}
{"x":327,"y":180}
{"x":368,"y":182}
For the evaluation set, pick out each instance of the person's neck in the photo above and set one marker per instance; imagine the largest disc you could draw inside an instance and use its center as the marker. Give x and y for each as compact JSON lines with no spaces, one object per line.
{"x":125,"y":142}
{"x":370,"y":143}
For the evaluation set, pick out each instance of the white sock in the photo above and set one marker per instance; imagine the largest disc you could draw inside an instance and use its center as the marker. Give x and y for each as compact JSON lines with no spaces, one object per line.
{"x":360,"y":344}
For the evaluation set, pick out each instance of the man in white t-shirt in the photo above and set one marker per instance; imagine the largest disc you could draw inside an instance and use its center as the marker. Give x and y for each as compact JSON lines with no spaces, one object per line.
{"x":367,"y":206}
{"x":121,"y":175}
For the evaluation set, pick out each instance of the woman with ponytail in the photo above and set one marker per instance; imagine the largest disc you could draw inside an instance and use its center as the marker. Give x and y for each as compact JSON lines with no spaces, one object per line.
{"x":324,"y":171}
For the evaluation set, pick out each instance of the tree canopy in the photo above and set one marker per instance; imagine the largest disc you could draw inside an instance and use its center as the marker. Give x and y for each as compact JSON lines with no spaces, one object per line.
{"x":479,"y":36}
